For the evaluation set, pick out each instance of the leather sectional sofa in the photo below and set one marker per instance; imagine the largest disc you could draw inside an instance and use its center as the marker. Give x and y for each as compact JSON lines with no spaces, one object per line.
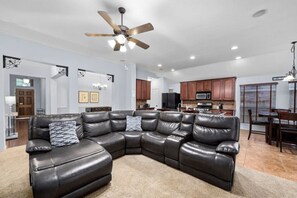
{"x":200,"y":145}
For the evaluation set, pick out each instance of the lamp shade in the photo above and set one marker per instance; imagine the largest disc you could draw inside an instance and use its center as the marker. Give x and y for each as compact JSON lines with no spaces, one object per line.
{"x":10,"y":100}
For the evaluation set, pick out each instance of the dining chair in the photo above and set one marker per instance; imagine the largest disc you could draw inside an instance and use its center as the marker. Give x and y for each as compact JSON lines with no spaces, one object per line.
{"x":259,"y":123}
{"x":275,"y":123}
{"x":287,"y":124}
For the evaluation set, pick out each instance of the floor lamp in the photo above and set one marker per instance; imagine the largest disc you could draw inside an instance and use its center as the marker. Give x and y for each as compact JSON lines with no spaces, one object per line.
{"x":10,"y":130}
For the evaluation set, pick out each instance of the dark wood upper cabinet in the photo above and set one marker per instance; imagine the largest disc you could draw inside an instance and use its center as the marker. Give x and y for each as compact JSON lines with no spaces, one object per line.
{"x":229,"y":88}
{"x":207,"y":85}
{"x":138,"y":89}
{"x":148,"y":90}
{"x":192,"y":90}
{"x":216,"y":89}
{"x":184,"y":91}
{"x":203,"y":85}
{"x":143,"y":89}
{"x":223,"y":89}
{"x":199,"y":86}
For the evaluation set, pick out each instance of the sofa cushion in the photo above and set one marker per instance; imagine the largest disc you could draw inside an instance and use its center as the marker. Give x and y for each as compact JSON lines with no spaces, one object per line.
{"x":187,"y":122}
{"x":118,"y":120}
{"x":96,"y":124}
{"x":213,"y":129}
{"x":149,"y":119}
{"x":63,"y":155}
{"x":63,"y":133}
{"x":153,"y":142}
{"x":133,"y":138}
{"x":133,"y":123}
{"x":111,"y":142}
{"x":169,"y":122}
{"x":204,"y":158}
{"x":39,"y":125}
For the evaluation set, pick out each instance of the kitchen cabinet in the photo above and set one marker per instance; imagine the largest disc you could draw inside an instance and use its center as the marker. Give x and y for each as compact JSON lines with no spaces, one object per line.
{"x":216,"y":89}
{"x":192,"y":90}
{"x":184,"y":91}
{"x":203,"y":85}
{"x":207,"y":85}
{"x":138,"y":89}
{"x":223,"y":89}
{"x":229,"y":88}
{"x":199,"y":86}
{"x":143,"y":89}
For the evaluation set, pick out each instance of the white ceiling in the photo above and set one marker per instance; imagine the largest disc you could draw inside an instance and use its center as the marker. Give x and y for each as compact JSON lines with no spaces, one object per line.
{"x":204,"y":28}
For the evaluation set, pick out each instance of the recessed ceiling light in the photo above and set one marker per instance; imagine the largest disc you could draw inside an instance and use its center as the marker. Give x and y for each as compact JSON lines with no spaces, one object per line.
{"x":235,"y":47}
{"x":259,"y":13}
{"x":159,"y":65}
{"x":238,"y":57}
{"x":172,"y":70}
{"x":192,"y":57}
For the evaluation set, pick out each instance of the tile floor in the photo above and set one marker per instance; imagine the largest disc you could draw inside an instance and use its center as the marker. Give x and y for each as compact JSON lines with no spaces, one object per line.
{"x":258,"y":155}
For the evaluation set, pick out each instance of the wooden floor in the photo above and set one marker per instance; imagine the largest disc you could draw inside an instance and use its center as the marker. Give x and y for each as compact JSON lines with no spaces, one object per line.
{"x":22,"y":129}
{"x":254,"y":153}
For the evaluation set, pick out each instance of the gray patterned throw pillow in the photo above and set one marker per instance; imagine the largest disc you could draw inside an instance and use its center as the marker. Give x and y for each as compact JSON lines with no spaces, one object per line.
{"x":63,"y":133}
{"x":133,"y":123}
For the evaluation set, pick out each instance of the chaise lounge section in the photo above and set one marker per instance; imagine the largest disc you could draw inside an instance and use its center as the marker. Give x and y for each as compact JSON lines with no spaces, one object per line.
{"x":203,"y":146}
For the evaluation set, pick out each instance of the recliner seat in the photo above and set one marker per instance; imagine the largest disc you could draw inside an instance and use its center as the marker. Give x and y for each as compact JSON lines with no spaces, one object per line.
{"x":211,"y":154}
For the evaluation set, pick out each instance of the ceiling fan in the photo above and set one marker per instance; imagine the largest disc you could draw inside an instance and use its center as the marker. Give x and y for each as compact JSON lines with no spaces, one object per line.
{"x":123,"y":33}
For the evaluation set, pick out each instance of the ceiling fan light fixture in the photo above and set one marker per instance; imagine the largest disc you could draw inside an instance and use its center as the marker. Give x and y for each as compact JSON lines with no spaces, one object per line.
{"x":111,"y":43}
{"x":131,"y":45}
{"x":121,"y":39}
{"x":123,"y":49}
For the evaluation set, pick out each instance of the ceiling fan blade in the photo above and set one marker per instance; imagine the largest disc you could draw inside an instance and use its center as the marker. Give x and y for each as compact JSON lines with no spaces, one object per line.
{"x":138,"y":42}
{"x":90,"y":34}
{"x":117,"y":46}
{"x":140,"y":29}
{"x":106,"y":17}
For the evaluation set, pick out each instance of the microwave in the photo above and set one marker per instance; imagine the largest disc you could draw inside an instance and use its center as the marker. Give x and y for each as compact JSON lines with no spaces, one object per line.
{"x":205,"y":95}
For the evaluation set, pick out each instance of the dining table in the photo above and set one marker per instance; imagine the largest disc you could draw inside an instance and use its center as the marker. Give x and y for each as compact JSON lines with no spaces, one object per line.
{"x":270,"y":116}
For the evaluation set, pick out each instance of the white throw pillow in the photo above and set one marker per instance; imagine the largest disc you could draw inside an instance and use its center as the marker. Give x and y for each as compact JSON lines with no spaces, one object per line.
{"x":133,"y":123}
{"x":63,"y":133}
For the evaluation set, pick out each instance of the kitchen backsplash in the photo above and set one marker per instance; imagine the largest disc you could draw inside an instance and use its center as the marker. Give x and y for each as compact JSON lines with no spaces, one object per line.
{"x":226,"y":104}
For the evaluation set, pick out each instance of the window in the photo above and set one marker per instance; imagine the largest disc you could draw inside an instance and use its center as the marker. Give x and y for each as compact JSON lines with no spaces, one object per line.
{"x":292,"y":93}
{"x":24,"y":82}
{"x":258,"y":98}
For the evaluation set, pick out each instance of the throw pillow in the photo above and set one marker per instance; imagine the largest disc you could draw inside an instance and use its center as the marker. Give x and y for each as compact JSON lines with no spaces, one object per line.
{"x":63,"y":133}
{"x":133,"y":123}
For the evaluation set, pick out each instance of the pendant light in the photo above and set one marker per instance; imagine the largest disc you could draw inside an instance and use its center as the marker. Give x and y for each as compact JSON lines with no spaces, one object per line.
{"x":291,"y":75}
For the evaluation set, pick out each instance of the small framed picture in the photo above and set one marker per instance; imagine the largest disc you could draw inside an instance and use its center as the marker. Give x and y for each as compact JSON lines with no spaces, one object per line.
{"x":83,"y":96}
{"x":94,"y":97}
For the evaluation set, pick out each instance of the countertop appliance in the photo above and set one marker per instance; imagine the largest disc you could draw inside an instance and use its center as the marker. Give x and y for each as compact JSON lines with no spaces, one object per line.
{"x":203,"y":107}
{"x":170,"y":100}
{"x":203,"y":95}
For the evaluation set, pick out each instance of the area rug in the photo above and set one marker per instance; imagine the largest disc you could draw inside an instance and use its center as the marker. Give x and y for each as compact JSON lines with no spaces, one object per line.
{"x":140,"y":176}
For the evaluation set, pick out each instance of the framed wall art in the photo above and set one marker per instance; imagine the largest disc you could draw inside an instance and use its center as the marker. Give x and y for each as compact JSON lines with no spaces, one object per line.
{"x":94,"y":95}
{"x":83,"y":96}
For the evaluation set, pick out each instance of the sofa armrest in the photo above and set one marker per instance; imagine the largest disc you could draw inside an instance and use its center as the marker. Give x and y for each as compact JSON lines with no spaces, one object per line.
{"x":38,"y":146}
{"x":184,"y":134}
{"x":228,"y":147}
